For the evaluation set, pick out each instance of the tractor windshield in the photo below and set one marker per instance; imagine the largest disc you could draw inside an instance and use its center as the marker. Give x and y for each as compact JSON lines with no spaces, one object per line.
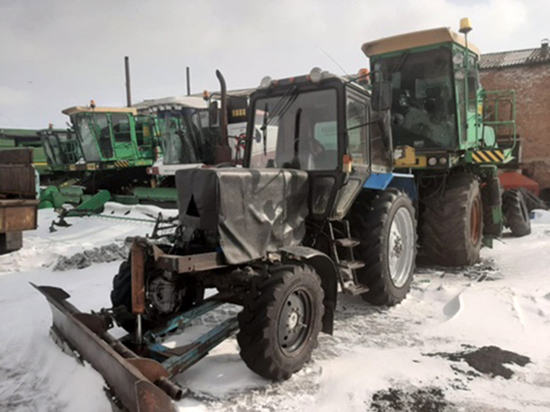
{"x":424,"y":106}
{"x":297,"y":130}
{"x":183,"y":138}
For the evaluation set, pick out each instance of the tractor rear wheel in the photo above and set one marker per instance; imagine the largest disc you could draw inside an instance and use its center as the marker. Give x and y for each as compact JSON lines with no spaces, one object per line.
{"x":386,"y":227}
{"x":281,"y":320}
{"x":516,"y":214}
{"x":452,"y":227}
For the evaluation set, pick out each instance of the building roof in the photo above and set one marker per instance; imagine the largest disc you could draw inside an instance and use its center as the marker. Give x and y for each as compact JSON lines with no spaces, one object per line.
{"x":513,"y":58}
{"x":415,"y":39}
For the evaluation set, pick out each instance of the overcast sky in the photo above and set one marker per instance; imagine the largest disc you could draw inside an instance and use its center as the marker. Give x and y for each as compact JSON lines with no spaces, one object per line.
{"x":59,"y":53}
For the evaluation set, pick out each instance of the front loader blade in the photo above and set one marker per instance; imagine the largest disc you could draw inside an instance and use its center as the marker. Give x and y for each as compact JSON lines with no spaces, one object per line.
{"x":125,"y":375}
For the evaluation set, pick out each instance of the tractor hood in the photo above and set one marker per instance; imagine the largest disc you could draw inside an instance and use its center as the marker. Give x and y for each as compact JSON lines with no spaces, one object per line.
{"x":252,"y":211}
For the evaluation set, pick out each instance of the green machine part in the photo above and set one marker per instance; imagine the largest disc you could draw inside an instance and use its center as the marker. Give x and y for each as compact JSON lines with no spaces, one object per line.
{"x":439,"y":107}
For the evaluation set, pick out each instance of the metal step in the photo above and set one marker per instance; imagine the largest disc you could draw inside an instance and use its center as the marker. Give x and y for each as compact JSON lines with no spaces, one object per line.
{"x":351,"y":264}
{"x":355,"y":289}
{"x":347,"y":242}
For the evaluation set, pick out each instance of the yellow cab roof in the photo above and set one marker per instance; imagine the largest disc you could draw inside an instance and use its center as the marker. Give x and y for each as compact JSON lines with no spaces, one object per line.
{"x":415,"y":39}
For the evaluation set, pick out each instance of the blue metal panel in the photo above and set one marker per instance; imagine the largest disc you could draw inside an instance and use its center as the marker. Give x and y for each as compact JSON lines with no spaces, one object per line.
{"x":378,"y":181}
{"x":405,"y":183}
{"x":402,"y":181}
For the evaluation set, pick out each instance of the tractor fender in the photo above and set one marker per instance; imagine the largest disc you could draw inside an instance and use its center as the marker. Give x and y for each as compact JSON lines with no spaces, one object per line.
{"x":401,"y":181}
{"x":325,"y":268}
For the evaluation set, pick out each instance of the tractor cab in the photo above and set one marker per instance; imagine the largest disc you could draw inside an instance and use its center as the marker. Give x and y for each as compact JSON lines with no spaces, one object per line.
{"x":113,"y":137}
{"x":438,"y":103}
{"x":61,"y":148}
{"x":322,"y":124}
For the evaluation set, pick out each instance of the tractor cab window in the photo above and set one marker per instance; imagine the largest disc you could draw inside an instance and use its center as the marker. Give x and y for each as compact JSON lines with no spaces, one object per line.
{"x":85,"y":128}
{"x":296,"y":130}
{"x":424,"y":107}
{"x":357,"y":131}
{"x":121,"y":127}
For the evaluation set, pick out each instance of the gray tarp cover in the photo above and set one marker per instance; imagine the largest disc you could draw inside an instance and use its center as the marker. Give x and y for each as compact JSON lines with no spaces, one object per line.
{"x":254,"y":211}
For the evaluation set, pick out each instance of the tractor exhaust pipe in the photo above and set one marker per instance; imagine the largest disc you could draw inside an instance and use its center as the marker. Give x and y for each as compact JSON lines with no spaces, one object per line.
{"x":223,"y":151}
{"x":188,"y":80}
{"x":223,"y":91}
{"x":127,"y":71}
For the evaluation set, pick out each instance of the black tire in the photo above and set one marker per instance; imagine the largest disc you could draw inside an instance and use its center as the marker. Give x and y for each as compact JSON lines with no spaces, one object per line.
{"x":371,"y":220}
{"x":516,"y":214}
{"x":491,"y":196}
{"x":121,"y":299}
{"x":263,"y":339}
{"x":531,"y":200}
{"x":452,"y":227}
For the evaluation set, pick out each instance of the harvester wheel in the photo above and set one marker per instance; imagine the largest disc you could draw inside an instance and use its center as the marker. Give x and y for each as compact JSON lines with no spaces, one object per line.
{"x":452,"y":228}
{"x":531,"y":201}
{"x":386,"y":228}
{"x":281,"y":320}
{"x":516,"y":214}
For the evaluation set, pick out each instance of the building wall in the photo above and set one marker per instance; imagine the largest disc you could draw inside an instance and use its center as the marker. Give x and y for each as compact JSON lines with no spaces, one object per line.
{"x":532,"y":86}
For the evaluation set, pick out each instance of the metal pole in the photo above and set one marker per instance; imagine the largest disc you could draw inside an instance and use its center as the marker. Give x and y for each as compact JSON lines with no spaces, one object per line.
{"x":188,"y":81}
{"x":127,"y":70}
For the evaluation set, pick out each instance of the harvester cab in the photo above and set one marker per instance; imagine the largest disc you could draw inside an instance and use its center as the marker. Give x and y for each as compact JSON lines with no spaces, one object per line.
{"x":315,"y":206}
{"x":444,"y":128}
{"x":438,"y":103}
{"x":112,"y":138}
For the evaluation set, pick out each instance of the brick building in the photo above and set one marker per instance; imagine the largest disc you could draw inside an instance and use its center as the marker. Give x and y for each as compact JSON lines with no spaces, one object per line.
{"x":528,"y":73}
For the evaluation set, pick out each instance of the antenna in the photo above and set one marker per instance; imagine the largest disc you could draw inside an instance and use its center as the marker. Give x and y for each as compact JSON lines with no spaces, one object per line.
{"x":334,"y":61}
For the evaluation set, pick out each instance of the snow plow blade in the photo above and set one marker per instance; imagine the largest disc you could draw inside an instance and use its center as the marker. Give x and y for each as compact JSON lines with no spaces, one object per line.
{"x":137,"y":384}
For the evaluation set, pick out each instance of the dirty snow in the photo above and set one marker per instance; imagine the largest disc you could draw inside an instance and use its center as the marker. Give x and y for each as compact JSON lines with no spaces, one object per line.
{"x":378,"y":359}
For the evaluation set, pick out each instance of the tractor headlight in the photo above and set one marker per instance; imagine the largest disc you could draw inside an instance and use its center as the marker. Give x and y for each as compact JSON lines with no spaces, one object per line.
{"x":266,"y":82}
{"x":443,"y":161}
{"x":316,"y":75}
{"x":432,"y":161}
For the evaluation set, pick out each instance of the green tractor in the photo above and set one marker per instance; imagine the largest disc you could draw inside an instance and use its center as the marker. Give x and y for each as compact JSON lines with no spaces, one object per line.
{"x":444,"y":132}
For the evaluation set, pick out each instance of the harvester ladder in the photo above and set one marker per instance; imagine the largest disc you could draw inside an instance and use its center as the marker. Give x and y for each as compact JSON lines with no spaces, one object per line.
{"x":346,"y":266}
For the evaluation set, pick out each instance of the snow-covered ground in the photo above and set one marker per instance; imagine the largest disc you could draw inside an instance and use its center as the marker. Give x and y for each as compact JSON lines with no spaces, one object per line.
{"x":397,"y":359}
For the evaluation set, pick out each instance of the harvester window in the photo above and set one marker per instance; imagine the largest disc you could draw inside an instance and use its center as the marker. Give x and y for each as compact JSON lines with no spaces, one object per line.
{"x":86,"y":132}
{"x":424,"y":107}
{"x":121,"y":127}
{"x":357,"y":135}
{"x":472,"y":90}
{"x":105,"y":144}
{"x":298,"y":130}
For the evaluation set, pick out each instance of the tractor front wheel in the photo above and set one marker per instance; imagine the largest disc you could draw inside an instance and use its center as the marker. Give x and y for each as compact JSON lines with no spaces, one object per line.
{"x":386,"y":227}
{"x":281,"y":320}
{"x":452,"y":222}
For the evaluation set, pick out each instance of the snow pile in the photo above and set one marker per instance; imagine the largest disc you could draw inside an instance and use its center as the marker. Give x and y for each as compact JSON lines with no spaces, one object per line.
{"x":377,"y":360}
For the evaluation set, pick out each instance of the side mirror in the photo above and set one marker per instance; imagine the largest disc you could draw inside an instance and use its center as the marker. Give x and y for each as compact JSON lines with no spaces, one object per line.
{"x":213,"y":112}
{"x":381,"y":96}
